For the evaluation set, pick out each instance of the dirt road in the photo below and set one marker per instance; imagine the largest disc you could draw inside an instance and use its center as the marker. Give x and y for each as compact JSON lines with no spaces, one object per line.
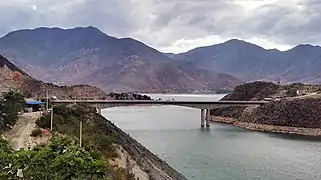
{"x":19,"y":137}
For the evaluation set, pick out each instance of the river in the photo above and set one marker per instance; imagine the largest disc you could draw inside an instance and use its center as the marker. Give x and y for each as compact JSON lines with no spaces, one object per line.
{"x":223,"y":152}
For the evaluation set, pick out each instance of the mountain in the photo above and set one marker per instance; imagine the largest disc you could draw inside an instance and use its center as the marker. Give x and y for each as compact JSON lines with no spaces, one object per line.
{"x":12,"y":77}
{"x":250,"y":62}
{"x":88,"y":56}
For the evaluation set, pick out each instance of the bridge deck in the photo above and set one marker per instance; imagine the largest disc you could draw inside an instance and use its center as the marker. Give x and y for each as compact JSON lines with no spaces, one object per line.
{"x":158,"y":102}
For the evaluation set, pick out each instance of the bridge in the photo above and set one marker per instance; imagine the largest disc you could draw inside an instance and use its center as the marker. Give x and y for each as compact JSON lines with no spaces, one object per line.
{"x":204,"y":106}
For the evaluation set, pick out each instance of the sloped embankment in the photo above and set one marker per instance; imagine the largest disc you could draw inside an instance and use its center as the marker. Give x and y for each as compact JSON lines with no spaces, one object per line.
{"x":158,"y":168}
{"x":101,"y":135}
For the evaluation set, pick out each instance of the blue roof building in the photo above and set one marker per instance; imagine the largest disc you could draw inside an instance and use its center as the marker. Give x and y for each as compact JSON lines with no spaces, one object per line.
{"x":34,"y":105}
{"x":34,"y":102}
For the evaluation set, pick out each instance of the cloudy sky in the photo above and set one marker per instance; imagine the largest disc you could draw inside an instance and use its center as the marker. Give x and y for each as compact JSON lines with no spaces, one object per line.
{"x":176,"y":25}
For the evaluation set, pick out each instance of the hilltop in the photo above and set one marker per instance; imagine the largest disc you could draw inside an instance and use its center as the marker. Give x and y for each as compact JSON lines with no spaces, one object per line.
{"x":85,"y":55}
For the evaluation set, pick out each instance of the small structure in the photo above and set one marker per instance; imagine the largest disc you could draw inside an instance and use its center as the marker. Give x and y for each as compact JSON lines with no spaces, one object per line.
{"x":34,"y":106}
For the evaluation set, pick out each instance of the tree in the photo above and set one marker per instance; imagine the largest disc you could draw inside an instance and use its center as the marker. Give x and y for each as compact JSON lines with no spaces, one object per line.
{"x":61,"y":158}
{"x":11,"y":103}
{"x":15,"y":99}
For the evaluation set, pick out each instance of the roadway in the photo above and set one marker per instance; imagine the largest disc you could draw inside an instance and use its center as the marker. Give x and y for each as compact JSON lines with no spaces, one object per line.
{"x":159,"y":102}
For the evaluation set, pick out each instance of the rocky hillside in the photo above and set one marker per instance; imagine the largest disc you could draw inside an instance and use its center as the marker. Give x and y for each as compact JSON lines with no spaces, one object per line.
{"x":294,"y":113}
{"x":250,"y":62}
{"x":253,"y":91}
{"x":246,"y":92}
{"x":287,"y":109}
{"x":88,"y":56}
{"x":12,"y":77}
{"x":259,"y":90}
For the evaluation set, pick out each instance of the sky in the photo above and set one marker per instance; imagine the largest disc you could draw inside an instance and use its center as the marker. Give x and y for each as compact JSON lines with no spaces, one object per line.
{"x":176,"y":25}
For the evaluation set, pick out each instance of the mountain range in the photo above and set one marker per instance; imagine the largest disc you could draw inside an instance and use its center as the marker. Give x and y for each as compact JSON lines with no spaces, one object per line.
{"x":88,"y":56}
{"x":250,"y":62}
{"x":85,"y":55}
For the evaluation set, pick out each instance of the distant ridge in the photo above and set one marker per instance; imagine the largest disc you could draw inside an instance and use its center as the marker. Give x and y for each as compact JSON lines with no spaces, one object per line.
{"x":85,"y":55}
{"x":250,"y":62}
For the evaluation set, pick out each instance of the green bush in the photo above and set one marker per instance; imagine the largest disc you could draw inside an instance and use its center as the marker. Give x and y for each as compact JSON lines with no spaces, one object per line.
{"x":61,"y":158}
{"x":96,"y":135}
{"x":11,"y":103}
{"x":36,"y":132}
{"x":5,"y":150}
{"x":97,"y":139}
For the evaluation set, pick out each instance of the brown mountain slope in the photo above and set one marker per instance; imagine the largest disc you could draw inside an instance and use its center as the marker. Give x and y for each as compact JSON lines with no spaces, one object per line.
{"x":250,"y":62}
{"x":12,"y":77}
{"x":88,"y":56}
{"x":135,"y":74}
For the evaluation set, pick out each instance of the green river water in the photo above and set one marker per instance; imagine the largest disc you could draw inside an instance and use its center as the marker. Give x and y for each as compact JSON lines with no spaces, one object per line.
{"x":223,"y":152}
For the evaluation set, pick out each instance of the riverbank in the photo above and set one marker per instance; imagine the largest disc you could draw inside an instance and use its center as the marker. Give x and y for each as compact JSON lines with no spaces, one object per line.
{"x":268,"y":128}
{"x":145,"y":159}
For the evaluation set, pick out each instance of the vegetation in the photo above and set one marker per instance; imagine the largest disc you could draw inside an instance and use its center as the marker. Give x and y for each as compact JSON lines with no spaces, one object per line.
{"x":11,"y":103}
{"x":61,"y":158}
{"x":97,"y":138}
{"x":67,"y":120}
{"x":126,"y":96}
{"x":223,"y":91}
{"x":36,"y":132}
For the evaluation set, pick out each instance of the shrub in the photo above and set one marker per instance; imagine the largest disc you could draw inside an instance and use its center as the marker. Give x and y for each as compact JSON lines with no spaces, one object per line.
{"x":96,"y":135}
{"x":11,"y":103}
{"x":61,"y":158}
{"x":36,"y":132}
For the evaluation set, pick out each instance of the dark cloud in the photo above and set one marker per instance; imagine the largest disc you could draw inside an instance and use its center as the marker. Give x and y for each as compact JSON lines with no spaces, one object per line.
{"x":161,"y":23}
{"x":288,"y":24}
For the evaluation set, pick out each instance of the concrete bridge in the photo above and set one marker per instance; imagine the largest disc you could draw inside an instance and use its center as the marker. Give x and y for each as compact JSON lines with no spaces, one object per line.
{"x":204,"y":106}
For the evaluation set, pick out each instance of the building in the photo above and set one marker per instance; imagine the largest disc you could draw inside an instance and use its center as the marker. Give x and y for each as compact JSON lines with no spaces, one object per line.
{"x":33,"y":105}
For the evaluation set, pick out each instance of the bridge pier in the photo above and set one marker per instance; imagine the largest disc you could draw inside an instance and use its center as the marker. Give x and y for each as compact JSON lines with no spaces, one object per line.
{"x":98,"y":107}
{"x":208,"y":118}
{"x":202,"y":117}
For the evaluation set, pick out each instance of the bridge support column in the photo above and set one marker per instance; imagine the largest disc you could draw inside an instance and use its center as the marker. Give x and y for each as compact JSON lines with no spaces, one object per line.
{"x":202,"y":117}
{"x":98,"y":107}
{"x":208,"y":118}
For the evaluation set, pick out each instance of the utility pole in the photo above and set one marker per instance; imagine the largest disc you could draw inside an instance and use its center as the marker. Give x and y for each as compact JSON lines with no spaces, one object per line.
{"x":47,"y":103}
{"x":51,"y":118}
{"x":80,"y":133}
